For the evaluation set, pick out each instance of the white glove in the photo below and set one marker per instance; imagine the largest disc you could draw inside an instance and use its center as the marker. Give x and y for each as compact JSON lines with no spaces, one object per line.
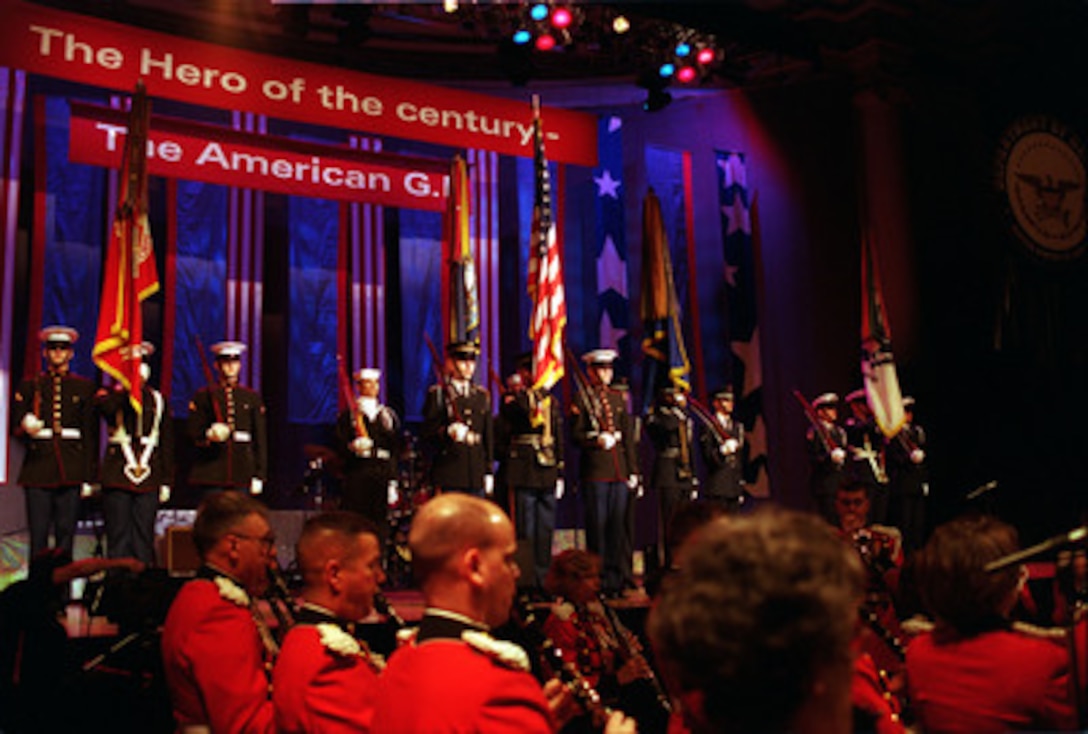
{"x":632,"y":481}
{"x":32,"y":424}
{"x":606,"y":441}
{"x":458,"y":432}
{"x":489,"y":484}
{"x":730,"y":446}
{"x":559,"y":488}
{"x":392,"y":496}
{"x":925,"y":489}
{"x":838,"y":456}
{"x":164,"y":494}
{"x":362,"y":444}
{"x":218,"y":432}
{"x":87,"y":490}
{"x":917,"y":456}
{"x":256,"y":486}
{"x":145,"y":371}
{"x":694,"y":493}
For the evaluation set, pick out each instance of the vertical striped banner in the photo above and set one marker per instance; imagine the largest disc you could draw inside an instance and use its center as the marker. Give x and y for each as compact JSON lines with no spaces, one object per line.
{"x":612,"y":289}
{"x":365,"y":324}
{"x":12,"y":107}
{"x":245,"y":263}
{"x":484,"y":232}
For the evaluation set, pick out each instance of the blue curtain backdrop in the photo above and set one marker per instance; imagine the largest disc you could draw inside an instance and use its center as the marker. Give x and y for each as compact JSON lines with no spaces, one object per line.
{"x":201,"y":270}
{"x":421,"y":286}
{"x":313,"y":231}
{"x":75,"y":237}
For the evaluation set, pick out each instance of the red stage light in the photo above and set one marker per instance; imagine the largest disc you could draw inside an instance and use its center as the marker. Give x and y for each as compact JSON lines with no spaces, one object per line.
{"x":545,"y":42}
{"x":705,"y":56}
{"x":561,"y":18}
{"x":686,"y":74}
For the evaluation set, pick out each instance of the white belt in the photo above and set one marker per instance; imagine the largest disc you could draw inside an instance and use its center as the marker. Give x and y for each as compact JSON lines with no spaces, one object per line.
{"x":375,"y":454}
{"x":242,"y":437}
{"x":64,"y":433}
{"x":144,"y":440}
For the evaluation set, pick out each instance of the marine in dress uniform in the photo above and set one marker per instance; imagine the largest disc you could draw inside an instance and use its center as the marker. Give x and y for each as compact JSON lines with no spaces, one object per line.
{"x":325,"y":680}
{"x":608,"y":467}
{"x":671,"y":432}
{"x":137,"y":469}
{"x":368,"y":435}
{"x":531,"y":465}
{"x":453,"y":676}
{"x":866,"y":454}
{"x":909,"y":479}
{"x":217,"y":652}
{"x":227,"y":424}
{"x":721,"y":445}
{"x":53,"y":414}
{"x":826,"y":455}
{"x":457,"y":425}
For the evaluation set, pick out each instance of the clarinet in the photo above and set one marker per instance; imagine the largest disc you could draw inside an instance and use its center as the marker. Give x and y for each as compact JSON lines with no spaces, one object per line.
{"x":383,"y":607}
{"x":554,"y":665}
{"x":281,"y":601}
{"x":632,"y":648}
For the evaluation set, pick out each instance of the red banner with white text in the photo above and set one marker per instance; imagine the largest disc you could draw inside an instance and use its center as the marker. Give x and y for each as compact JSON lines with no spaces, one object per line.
{"x":201,"y":152}
{"x":102,"y":53}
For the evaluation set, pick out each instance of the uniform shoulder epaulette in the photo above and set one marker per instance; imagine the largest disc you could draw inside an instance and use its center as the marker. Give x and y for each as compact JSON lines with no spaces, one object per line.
{"x":506,"y":653}
{"x":1043,"y":633}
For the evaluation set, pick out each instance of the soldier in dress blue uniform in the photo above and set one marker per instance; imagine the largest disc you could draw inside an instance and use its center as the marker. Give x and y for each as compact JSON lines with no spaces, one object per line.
{"x":909,"y":479}
{"x":138,"y":467}
{"x":721,"y":445}
{"x":53,"y":414}
{"x":608,"y":469}
{"x":228,"y":426}
{"x":457,"y":425}
{"x":368,"y":434}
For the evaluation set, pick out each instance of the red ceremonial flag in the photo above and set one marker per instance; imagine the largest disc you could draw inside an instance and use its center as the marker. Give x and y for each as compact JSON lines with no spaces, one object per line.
{"x":877,"y":362}
{"x":545,"y":280}
{"x":130,"y":275}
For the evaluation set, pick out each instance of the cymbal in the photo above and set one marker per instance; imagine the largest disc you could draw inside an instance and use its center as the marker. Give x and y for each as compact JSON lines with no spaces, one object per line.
{"x":314,"y":451}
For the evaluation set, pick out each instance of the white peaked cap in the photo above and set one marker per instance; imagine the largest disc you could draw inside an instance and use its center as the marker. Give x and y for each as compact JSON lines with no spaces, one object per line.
{"x":228,"y":349}
{"x":600,"y":356}
{"x":368,"y":373}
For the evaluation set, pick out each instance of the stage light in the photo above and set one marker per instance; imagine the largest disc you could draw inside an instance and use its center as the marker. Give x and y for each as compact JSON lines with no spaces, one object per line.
{"x":561,"y":18}
{"x":450,"y":6}
{"x":621,"y":25}
{"x":545,"y":42}
{"x":686,"y":74}
{"x":522,"y":36}
{"x":705,"y":55}
{"x":538,"y":12}
{"x":666,"y":70}
{"x":683,"y":49}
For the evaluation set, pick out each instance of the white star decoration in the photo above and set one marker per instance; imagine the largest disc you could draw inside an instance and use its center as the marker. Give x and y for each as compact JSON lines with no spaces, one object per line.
{"x":737,"y":216}
{"x":611,"y":269}
{"x":606,"y":185}
{"x":610,"y":335}
{"x":731,"y":274}
{"x":735,"y":173}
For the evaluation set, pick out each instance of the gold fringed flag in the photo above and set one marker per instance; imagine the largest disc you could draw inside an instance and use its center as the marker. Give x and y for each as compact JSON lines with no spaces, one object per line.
{"x":464,"y":311}
{"x":663,"y":341}
{"x":877,"y":363}
{"x":130,"y":276}
{"x":545,"y":280}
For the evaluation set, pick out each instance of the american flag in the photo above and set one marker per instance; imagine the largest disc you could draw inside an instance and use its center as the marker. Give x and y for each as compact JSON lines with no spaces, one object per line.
{"x":130,"y":276}
{"x":545,"y":280}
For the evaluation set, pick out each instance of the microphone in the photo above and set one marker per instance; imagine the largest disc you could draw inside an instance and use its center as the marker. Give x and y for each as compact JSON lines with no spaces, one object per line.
{"x":989,"y":486}
{"x":1073,"y":536}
